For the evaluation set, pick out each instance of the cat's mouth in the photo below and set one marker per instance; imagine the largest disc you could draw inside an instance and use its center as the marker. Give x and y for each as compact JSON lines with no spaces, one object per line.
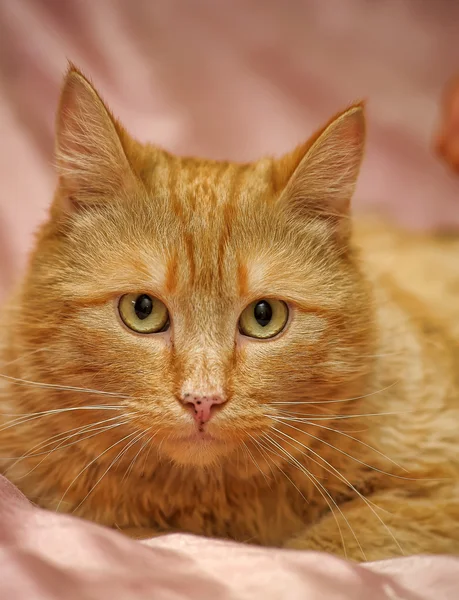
{"x":197,"y":447}
{"x":200,"y":436}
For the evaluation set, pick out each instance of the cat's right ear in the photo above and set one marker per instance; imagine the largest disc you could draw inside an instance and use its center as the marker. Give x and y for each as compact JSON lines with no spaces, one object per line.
{"x":91,"y":161}
{"x":317,"y":180}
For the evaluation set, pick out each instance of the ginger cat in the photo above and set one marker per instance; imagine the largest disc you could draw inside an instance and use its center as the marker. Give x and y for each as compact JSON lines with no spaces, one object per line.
{"x":210,"y":347}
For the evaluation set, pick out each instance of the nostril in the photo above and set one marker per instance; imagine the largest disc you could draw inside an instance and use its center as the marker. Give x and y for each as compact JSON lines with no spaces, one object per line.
{"x":202,"y":406}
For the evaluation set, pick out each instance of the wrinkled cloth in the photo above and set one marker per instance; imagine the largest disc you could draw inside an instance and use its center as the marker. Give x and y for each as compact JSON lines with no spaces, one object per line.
{"x":48,"y":556}
{"x":232,"y":80}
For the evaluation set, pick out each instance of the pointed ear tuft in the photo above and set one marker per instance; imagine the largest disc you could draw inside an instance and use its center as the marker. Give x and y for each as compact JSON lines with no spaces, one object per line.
{"x":90,"y":157}
{"x":323,"y":172}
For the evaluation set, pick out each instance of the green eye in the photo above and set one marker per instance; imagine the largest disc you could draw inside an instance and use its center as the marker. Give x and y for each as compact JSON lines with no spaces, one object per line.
{"x":143,"y":313}
{"x":263,"y":319}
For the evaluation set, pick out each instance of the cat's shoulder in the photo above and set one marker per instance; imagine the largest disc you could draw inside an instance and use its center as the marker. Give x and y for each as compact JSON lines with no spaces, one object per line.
{"x":426,"y":265}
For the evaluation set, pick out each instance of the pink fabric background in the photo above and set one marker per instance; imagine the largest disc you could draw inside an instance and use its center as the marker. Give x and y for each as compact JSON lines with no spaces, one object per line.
{"x":232,"y":79}
{"x":45,"y":556}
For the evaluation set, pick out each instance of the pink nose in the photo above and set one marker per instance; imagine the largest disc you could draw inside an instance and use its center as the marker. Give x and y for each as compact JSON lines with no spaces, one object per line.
{"x":202,"y":406}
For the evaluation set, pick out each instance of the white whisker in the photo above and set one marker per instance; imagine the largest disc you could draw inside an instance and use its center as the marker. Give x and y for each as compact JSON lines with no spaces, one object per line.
{"x":347,"y":482}
{"x":345,"y":453}
{"x":75,"y":431}
{"x":323,"y":492}
{"x":114,"y":461}
{"x":150,"y":441}
{"x":338,"y":401}
{"x":256,"y":464}
{"x":262,"y":451}
{"x":131,"y":466}
{"x":61,"y":447}
{"x":26,"y":418}
{"x":90,"y":464}
{"x":61,"y":388}
{"x":307,"y":418}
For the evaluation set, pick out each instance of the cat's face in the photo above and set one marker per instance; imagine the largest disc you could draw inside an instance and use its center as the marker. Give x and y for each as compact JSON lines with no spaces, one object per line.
{"x":207,"y":298}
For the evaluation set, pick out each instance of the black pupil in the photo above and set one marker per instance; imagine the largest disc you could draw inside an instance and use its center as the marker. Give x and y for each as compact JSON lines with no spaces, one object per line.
{"x":143,"y":306}
{"x":263,"y":313}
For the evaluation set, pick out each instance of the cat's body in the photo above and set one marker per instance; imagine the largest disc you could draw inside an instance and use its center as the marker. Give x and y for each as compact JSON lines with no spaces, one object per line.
{"x":337,"y":433}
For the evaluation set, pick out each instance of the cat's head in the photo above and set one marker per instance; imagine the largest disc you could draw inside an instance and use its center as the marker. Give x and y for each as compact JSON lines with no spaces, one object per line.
{"x":206,"y":300}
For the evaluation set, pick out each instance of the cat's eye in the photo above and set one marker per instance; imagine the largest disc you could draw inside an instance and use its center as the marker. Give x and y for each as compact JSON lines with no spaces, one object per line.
{"x":143,"y":313}
{"x":263,"y":319}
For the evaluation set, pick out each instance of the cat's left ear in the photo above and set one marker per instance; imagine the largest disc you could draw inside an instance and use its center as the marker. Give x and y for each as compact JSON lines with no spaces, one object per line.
{"x":91,"y":160}
{"x":319,"y":177}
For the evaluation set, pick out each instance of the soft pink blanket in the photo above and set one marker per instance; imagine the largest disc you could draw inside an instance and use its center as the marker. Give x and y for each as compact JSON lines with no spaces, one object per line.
{"x":46,"y":556}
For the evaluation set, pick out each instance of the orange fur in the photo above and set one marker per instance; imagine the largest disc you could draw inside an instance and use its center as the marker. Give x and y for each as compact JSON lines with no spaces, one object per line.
{"x":339,"y":434}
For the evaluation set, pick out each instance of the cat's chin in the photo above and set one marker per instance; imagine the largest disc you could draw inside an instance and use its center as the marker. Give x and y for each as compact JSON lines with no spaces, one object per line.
{"x":197,"y":449}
